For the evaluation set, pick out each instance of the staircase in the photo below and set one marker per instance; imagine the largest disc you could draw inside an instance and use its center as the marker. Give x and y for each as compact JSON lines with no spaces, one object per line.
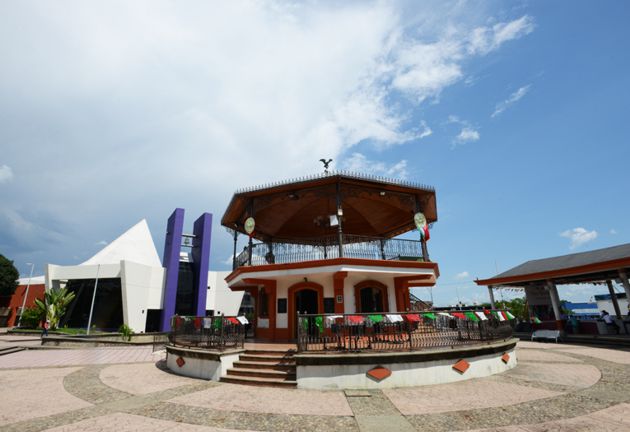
{"x":263,"y":368}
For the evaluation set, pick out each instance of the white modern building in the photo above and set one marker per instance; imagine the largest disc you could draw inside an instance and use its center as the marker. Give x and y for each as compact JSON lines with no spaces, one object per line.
{"x":129,"y":280}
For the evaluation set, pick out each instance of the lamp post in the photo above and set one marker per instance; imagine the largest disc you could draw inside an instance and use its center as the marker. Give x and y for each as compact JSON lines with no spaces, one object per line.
{"x":28,"y":285}
{"x":98,"y":269}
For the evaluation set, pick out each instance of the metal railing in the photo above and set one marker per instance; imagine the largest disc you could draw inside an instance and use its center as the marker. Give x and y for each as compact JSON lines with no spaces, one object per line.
{"x":385,"y":332}
{"x":219,"y":332}
{"x":327,"y":247}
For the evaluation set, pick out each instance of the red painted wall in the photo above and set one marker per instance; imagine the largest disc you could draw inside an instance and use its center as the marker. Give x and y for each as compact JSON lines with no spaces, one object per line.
{"x":15,"y":301}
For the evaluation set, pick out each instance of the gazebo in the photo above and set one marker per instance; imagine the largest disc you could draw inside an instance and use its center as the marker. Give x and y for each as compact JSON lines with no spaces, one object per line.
{"x":327,"y":244}
{"x":539,"y":278}
{"x":324,"y":267}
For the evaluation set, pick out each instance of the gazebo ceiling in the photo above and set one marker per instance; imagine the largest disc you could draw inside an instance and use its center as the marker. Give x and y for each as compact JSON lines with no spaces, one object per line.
{"x":299,"y":210}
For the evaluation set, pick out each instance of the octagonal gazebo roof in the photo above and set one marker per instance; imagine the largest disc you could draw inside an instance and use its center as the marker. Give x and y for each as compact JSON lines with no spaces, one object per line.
{"x":298,"y":210}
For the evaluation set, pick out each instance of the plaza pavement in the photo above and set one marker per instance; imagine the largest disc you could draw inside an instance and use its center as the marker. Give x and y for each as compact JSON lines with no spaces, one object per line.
{"x":555,"y":387}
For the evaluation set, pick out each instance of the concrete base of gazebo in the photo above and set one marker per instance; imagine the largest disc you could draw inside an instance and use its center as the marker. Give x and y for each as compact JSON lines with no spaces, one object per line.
{"x":404,"y":369}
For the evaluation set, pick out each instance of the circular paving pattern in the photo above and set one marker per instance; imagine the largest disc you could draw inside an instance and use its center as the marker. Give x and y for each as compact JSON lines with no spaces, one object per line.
{"x":554,"y":387}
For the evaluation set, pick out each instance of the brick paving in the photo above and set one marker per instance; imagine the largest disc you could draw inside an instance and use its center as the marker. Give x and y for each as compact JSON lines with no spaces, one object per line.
{"x":554,"y":388}
{"x":37,"y":358}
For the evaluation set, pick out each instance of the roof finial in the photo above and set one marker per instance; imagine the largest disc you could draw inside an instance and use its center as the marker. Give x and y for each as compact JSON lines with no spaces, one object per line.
{"x":326,"y":163}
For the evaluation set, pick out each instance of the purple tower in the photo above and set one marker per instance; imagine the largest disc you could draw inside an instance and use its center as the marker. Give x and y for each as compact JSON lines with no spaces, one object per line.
{"x":200,"y":255}
{"x":172,"y":247}
{"x":201,"y":259}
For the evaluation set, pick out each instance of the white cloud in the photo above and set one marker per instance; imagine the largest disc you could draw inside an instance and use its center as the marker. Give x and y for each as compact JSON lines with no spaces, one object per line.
{"x":579,"y":236}
{"x":467,"y":134}
{"x":6,"y":174}
{"x":486,"y":39}
{"x":425,"y":131}
{"x":195,"y":101}
{"x":514,"y":97}
{"x":613,"y":231}
{"x":358,"y":162}
{"x":101,"y":243}
{"x":462,"y":275}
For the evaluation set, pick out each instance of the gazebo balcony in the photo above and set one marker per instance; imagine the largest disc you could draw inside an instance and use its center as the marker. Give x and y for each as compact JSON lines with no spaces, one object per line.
{"x":330,"y":247}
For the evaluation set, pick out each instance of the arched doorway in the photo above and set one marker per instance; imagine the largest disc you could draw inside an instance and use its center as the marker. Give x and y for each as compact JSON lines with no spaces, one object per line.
{"x":304,"y":297}
{"x":371,"y":296}
{"x":306,"y":301}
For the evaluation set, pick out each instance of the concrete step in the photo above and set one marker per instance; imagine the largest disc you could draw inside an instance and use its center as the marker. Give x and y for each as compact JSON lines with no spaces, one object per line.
{"x":264,"y":365}
{"x":276,"y":353}
{"x":10,"y":350}
{"x":267,"y":358}
{"x":261,"y":373}
{"x":266,"y":382}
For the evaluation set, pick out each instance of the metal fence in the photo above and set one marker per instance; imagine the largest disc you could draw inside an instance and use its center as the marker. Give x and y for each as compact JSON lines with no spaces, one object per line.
{"x":327,"y":247}
{"x":386,"y":332}
{"x":219,"y":332}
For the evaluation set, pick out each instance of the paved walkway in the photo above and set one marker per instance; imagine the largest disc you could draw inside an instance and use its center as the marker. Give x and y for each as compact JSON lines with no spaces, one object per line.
{"x":555,"y":387}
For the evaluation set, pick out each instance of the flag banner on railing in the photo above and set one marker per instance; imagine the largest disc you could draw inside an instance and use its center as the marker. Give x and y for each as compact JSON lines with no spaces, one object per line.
{"x":498,"y":315}
{"x":459,"y":315}
{"x":482,"y":316}
{"x":319,"y":323}
{"x":376,"y":318}
{"x":429,"y":315}
{"x":536,"y":320}
{"x":355,"y":319}
{"x":233,"y":320}
{"x":412,"y":317}
{"x":207,"y":323}
{"x":471,"y":316}
{"x":242,"y":320}
{"x":197,"y":323}
{"x":509,"y":315}
{"x":394,"y":318}
{"x":444,"y":314}
{"x":330,"y":319}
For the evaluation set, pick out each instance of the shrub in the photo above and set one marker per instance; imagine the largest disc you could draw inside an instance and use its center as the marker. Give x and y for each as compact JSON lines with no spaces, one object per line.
{"x":125,"y":331}
{"x":54,"y":305}
{"x":31,"y":317}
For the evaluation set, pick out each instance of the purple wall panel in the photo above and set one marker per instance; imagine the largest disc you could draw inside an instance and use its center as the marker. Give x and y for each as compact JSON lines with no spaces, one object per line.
{"x":202,"y":230}
{"x":170,"y":261}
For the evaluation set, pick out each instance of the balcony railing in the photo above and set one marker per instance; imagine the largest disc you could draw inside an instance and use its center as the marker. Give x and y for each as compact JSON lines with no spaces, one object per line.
{"x":352,"y":246}
{"x":399,"y":331}
{"x":219,"y":332}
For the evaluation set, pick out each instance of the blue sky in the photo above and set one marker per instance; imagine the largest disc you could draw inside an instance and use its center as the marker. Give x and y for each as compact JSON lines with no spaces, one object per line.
{"x":515,"y":112}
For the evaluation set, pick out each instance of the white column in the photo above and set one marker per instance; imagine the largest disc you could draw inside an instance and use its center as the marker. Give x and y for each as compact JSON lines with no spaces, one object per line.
{"x":491,"y":294}
{"x":555,"y":303}
{"x":626,"y":286}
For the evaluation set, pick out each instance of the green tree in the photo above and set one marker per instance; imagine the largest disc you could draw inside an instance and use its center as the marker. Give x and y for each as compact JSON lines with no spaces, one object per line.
{"x":54,"y":305}
{"x":516,"y":306}
{"x":8,"y":277}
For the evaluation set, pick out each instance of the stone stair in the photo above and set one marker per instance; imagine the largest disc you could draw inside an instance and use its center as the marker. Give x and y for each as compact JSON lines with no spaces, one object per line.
{"x":263,"y":368}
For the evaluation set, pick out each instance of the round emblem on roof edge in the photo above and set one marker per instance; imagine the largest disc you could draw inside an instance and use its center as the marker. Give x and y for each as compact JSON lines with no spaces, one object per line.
{"x":420,"y":220}
{"x":250,"y":224}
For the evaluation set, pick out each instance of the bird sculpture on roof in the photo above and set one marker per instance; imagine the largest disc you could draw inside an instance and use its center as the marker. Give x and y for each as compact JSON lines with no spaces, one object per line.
{"x":326,"y":164}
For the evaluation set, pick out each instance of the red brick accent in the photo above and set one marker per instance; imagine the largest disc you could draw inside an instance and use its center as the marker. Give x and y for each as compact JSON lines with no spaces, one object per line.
{"x":461,"y":366}
{"x":180,"y":361}
{"x":379,"y":373}
{"x":505,"y":358}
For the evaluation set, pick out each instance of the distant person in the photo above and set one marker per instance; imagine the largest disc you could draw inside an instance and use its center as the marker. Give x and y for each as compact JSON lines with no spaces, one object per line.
{"x":45,"y":328}
{"x":610,"y":321}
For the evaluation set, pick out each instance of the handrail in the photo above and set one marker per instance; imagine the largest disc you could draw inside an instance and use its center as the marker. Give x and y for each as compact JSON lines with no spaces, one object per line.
{"x":218,"y":332}
{"x":400,"y":331}
{"x":327,"y":247}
